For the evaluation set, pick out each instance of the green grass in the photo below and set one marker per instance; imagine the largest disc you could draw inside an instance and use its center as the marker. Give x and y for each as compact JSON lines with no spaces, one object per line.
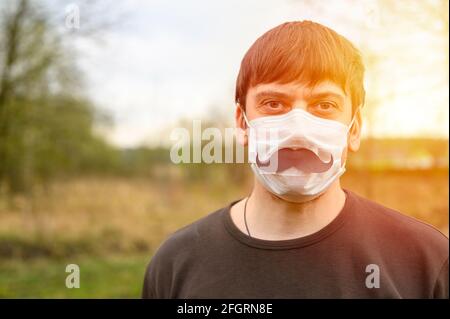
{"x":110,"y":277}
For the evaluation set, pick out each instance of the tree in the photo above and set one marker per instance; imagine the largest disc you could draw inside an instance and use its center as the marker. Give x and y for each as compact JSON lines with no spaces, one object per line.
{"x":46,"y":122}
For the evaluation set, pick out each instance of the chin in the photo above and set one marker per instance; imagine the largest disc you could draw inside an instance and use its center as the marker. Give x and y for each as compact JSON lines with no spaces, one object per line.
{"x":297,"y":198}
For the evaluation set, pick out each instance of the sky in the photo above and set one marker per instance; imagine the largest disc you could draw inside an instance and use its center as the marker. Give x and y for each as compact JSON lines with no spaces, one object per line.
{"x":164,"y":61}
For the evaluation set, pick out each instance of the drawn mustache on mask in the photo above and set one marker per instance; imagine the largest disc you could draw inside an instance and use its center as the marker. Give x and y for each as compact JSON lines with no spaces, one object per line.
{"x":303,"y":159}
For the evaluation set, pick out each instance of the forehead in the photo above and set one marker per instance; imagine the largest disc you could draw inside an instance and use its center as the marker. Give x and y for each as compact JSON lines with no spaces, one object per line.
{"x":298,"y":90}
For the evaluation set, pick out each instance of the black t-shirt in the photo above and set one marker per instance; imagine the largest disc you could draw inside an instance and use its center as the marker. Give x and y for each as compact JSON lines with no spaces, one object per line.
{"x":367,"y":251}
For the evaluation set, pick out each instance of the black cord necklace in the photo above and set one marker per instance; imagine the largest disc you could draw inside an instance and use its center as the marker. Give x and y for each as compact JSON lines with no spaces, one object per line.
{"x":245,"y":216}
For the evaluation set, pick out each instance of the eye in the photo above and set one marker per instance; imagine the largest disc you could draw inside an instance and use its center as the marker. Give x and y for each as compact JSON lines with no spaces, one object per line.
{"x":324,"y":106}
{"x":273,"y":105}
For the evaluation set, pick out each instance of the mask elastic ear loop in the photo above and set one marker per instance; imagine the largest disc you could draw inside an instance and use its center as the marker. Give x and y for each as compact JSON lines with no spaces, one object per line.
{"x":245,"y":116}
{"x":353,"y":120}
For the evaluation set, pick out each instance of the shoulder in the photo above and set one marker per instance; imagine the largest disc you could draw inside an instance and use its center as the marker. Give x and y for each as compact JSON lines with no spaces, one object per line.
{"x":390,"y":225}
{"x":190,"y":236}
{"x":177,"y":253}
{"x":185,"y":243}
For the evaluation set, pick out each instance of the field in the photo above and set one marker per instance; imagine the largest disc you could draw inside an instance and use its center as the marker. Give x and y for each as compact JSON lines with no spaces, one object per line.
{"x":110,"y":226}
{"x":110,"y":277}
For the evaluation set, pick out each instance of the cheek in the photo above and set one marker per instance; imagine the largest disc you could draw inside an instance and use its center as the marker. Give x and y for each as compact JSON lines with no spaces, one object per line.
{"x":343,"y":157}
{"x":251,"y":112}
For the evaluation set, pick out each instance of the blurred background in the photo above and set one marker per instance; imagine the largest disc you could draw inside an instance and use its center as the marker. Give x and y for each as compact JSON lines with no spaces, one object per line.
{"x":90,"y":91}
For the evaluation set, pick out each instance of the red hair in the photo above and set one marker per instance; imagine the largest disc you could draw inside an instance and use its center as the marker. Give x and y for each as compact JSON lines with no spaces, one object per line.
{"x":305,"y":52}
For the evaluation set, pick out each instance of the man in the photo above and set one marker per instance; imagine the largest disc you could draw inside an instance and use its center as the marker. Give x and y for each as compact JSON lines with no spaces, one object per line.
{"x":299,"y":234}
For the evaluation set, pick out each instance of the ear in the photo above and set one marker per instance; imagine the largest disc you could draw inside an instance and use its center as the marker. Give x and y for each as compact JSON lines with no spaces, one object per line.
{"x":354,"y":138}
{"x":241,"y":126}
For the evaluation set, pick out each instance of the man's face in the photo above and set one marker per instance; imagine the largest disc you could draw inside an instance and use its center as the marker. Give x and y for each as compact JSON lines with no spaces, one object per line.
{"x":326,"y":100}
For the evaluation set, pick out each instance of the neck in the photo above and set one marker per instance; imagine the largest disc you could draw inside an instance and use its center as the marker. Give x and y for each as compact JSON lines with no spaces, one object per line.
{"x":271,"y":218}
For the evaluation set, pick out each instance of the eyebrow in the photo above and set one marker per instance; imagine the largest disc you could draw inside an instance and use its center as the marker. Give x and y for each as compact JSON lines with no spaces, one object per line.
{"x":317,"y":96}
{"x":272,"y":94}
{"x":311,"y":96}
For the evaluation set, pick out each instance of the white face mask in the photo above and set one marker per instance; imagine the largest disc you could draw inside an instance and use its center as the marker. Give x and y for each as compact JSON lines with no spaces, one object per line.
{"x":297,"y":155}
